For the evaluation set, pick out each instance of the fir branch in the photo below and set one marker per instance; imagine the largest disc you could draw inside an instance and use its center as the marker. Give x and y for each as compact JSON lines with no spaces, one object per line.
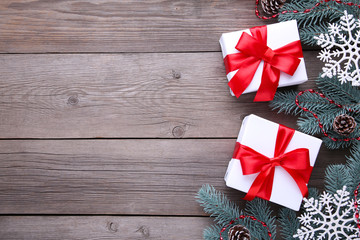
{"x":315,"y":102}
{"x":313,"y":193}
{"x":343,"y":94}
{"x":330,"y":144}
{"x":310,"y":125}
{"x":288,"y":223}
{"x":217,"y":205}
{"x":285,"y":102}
{"x":224,"y":211}
{"x":260,"y":209}
{"x":338,"y":92}
{"x":336,"y":176}
{"x":307,"y":34}
{"x":353,"y":164}
{"x":313,"y":22}
{"x":212,"y":233}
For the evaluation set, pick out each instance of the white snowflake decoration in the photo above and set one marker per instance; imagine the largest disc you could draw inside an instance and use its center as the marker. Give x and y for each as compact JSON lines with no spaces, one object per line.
{"x":331,"y":217}
{"x":341,"y":50}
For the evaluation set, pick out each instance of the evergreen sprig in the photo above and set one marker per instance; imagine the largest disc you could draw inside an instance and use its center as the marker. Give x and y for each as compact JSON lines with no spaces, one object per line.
{"x":343,"y":94}
{"x":219,"y":206}
{"x":212,"y":232}
{"x":316,"y":21}
{"x":288,"y":223}
{"x":353,"y":165}
{"x":307,"y":33}
{"x":336,"y":176}
{"x":223,"y":210}
{"x":260,"y":209}
{"x":313,"y":193}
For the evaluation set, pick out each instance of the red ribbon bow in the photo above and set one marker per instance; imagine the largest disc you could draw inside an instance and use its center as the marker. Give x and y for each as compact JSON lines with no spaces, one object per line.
{"x":254,"y":49}
{"x":296,"y":163}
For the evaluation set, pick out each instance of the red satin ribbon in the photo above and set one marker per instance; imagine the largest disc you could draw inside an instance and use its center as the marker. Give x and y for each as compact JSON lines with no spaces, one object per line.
{"x":296,"y":163}
{"x":254,"y":49}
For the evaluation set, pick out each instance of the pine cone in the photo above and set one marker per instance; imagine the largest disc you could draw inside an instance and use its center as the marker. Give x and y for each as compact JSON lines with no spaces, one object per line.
{"x":344,"y":124}
{"x":238,"y":232}
{"x":272,"y":6}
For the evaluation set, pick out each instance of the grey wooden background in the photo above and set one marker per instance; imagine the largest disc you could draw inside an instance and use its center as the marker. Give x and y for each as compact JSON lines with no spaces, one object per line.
{"x":114,"y":113}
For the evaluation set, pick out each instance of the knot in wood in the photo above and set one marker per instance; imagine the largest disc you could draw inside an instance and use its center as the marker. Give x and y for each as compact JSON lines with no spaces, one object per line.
{"x":113,"y":227}
{"x":73,"y":100}
{"x":144,"y":230}
{"x":176,"y":74}
{"x":178,"y":132}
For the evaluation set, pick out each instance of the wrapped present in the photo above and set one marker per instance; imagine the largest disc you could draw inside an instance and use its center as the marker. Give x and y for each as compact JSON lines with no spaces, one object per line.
{"x":272,"y":162}
{"x":263,"y":58}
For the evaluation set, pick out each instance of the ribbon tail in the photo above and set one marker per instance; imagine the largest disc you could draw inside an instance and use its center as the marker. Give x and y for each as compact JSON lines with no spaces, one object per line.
{"x":244,"y":76}
{"x":269,"y":84}
{"x":262,"y":185}
{"x":299,"y":181}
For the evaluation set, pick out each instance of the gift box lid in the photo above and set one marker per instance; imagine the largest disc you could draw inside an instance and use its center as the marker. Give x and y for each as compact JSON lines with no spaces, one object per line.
{"x":279,"y":34}
{"x":286,"y":32}
{"x":260,"y":135}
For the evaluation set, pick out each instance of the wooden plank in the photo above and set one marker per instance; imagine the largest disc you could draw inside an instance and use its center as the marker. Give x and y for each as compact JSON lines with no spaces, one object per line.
{"x":168,"y":95}
{"x":141,"y":177}
{"x":28,"y":26}
{"x":101,"y":227}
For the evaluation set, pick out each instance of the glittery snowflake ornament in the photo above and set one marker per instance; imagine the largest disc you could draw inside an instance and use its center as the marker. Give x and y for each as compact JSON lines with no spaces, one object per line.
{"x":341,"y":50}
{"x":329,"y":217}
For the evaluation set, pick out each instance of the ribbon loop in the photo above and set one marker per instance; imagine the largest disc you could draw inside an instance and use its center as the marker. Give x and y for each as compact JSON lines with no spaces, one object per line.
{"x":295,"y":162}
{"x":253,"y":49}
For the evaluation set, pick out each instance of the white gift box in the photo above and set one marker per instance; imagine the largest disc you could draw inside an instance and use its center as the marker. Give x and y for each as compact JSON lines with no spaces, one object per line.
{"x":278,"y":35}
{"x":260,"y":134}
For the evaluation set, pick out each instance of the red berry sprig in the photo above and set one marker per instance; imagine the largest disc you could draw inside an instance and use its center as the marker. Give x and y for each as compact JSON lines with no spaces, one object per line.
{"x":242,"y":217}
{"x":305,"y":11}
{"x":316,"y":116}
{"x":356,"y":205}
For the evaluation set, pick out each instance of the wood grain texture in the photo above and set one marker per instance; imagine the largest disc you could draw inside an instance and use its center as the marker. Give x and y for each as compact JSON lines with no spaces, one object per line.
{"x":140,"y":177}
{"x":158,"y":95}
{"x":145,"y":73}
{"x":101,"y":227}
{"x":29,"y":26}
